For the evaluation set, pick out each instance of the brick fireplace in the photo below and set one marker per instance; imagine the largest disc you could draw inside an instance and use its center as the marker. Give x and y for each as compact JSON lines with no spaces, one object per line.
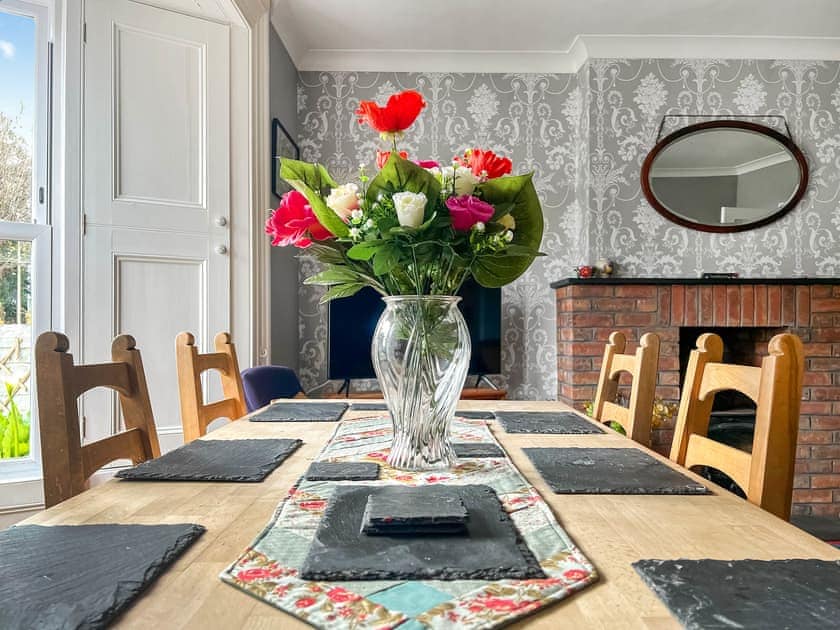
{"x":588,"y":310}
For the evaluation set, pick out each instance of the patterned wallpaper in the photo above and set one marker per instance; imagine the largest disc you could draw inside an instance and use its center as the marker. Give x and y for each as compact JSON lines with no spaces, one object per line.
{"x":628,"y":100}
{"x":585,"y":136}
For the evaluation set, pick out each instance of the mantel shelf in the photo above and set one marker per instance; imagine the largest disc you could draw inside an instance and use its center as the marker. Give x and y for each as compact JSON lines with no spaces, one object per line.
{"x":802,"y":281}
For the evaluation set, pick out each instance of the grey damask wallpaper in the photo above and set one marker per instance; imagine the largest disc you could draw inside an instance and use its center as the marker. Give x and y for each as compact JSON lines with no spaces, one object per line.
{"x":585,"y":137}
{"x":628,"y":100}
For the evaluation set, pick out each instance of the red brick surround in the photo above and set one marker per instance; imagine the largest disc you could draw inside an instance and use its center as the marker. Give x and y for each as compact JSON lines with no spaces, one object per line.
{"x":587,"y":313}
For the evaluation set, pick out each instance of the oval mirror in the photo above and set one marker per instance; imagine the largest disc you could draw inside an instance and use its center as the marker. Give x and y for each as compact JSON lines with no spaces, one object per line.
{"x":724,"y":176}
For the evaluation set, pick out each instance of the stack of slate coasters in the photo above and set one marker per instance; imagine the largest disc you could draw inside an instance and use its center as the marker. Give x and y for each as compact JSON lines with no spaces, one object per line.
{"x":397,"y":511}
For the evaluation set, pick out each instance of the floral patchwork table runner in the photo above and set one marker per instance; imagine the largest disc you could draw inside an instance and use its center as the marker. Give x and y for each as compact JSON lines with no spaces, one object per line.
{"x":269,"y":568}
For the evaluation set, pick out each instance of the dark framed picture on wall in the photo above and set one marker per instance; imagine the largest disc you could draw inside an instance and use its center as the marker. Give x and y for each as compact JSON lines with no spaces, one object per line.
{"x":282,"y":146}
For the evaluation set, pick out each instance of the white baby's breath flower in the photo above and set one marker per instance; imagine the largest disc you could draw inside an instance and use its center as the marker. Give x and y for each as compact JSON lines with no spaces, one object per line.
{"x":343,"y":200}
{"x":369,"y":224}
{"x":410,"y":208}
{"x":355,"y":232}
{"x":508,"y":236}
{"x":479,"y":227}
{"x":357,"y":215}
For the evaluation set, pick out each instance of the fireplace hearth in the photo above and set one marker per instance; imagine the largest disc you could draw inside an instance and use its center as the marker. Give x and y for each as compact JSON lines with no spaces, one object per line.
{"x":746,"y":313}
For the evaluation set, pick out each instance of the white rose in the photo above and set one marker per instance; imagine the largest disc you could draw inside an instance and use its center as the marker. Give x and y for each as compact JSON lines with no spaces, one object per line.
{"x":410,"y":208}
{"x":465,"y":181}
{"x":343,"y":200}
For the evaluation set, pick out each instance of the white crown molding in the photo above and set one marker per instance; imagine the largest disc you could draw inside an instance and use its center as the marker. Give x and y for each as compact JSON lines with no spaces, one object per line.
{"x":583,"y":48}
{"x":724,"y":171}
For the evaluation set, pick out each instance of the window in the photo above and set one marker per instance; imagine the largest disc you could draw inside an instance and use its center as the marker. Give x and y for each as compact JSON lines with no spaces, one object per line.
{"x":25,"y":239}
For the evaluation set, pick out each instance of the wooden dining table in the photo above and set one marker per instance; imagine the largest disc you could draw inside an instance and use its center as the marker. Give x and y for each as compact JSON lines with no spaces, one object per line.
{"x":613,"y":531}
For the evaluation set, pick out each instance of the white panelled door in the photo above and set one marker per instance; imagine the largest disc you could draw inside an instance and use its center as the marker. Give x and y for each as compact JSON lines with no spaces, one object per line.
{"x":156,"y":194}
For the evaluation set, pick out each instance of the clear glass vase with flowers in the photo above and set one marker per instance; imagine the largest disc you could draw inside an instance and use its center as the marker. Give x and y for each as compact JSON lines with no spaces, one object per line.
{"x":413,"y":231}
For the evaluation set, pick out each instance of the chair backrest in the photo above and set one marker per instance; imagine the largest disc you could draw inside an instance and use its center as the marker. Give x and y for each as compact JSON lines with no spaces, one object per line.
{"x":195,"y":414}
{"x":67,"y":464}
{"x":642,"y":366}
{"x":264,"y":383}
{"x":766,"y":474}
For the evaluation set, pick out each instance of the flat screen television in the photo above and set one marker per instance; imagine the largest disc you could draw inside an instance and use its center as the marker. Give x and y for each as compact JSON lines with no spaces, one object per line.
{"x":353,"y":320}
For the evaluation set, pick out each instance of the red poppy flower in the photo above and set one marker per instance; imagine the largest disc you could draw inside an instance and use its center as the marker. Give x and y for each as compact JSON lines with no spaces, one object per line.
{"x":382,"y":157}
{"x":294,"y":223}
{"x":398,"y":115}
{"x":485,"y":163}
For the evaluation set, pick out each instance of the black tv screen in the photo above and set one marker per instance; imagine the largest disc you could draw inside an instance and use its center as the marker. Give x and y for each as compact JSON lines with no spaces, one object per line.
{"x":353,"y":320}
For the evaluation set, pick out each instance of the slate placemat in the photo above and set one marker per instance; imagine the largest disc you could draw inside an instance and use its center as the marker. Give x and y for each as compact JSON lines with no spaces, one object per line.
{"x":476,"y":415}
{"x":753,"y":594}
{"x":477,"y":449}
{"x":342,"y":471}
{"x":301,"y":412}
{"x":82,"y":576}
{"x":609,"y":471}
{"x":546,"y":422}
{"x":373,"y":406}
{"x":215,"y":460}
{"x":492,"y":549}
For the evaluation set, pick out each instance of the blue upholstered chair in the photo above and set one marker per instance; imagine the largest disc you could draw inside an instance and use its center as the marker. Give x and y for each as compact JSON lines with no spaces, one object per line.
{"x":264,"y":383}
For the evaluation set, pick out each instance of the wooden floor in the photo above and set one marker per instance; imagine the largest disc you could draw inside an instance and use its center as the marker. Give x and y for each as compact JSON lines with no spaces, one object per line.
{"x":612,"y":531}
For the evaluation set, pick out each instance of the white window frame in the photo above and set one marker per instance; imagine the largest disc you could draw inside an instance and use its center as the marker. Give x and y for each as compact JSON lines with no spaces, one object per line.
{"x":16,"y":475}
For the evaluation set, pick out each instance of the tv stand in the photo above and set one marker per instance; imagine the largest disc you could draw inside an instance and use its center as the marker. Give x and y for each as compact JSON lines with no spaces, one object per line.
{"x":468,"y":393}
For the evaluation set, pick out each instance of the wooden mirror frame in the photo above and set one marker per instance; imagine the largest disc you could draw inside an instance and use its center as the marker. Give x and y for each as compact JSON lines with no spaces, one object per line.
{"x":786,"y":142}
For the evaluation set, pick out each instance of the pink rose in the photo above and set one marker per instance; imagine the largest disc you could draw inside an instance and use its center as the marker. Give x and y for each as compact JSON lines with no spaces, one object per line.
{"x":466,"y":211}
{"x":294,"y":223}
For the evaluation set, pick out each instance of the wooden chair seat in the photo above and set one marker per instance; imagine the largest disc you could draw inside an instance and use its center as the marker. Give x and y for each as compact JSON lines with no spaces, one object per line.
{"x":765,"y":474}
{"x":68,"y":464}
{"x":636,"y":418}
{"x":196,"y":415}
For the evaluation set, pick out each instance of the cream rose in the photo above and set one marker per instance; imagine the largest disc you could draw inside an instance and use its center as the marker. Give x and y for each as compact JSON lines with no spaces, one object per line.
{"x":410,"y":208}
{"x":465,"y":180}
{"x":508,"y":221}
{"x":344,"y":200}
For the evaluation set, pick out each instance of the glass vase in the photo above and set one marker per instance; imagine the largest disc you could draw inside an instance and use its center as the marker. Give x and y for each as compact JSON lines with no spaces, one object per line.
{"x":421,"y":352}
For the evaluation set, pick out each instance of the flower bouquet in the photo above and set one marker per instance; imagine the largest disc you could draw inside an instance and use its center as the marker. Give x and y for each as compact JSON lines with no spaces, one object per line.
{"x":413,"y":232}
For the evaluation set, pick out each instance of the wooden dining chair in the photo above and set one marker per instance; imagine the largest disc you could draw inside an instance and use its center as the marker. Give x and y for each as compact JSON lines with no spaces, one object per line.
{"x":766,"y":474}
{"x":68,"y":464}
{"x":642,"y":366}
{"x":196,"y":415}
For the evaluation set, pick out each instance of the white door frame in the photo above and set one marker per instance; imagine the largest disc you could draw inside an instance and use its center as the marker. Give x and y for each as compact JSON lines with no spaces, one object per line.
{"x":250,"y":128}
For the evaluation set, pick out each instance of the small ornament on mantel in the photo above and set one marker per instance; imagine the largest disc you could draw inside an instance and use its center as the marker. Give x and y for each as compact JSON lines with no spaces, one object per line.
{"x":605,"y":267}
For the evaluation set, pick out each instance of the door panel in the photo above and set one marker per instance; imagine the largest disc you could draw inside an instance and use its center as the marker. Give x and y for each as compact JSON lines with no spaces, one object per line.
{"x":156,"y":183}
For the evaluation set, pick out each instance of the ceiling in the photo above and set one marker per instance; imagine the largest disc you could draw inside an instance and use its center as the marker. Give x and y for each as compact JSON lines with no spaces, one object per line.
{"x":547,"y":35}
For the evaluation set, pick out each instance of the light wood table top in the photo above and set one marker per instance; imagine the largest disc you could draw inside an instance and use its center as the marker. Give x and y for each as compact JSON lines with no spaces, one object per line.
{"x":612,"y":531}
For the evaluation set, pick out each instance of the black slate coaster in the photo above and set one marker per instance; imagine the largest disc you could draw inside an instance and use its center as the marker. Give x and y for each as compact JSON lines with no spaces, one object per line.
{"x":608,"y":471}
{"x":82,"y":576}
{"x":752,"y":594}
{"x":546,"y":422}
{"x":477,"y":449}
{"x":476,"y":415}
{"x":398,"y":510}
{"x":492,"y":549}
{"x":301,"y":412}
{"x":342,"y":471}
{"x":215,"y":460}
{"x":368,"y":407}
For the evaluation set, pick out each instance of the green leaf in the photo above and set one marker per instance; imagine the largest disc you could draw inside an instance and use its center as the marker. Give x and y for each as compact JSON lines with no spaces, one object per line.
{"x":325,"y":253}
{"x":333,"y":275}
{"x":399,"y":175}
{"x":315,"y":183}
{"x":496,"y":270}
{"x":342,"y":291}
{"x":386,"y":259}
{"x":364,"y":250}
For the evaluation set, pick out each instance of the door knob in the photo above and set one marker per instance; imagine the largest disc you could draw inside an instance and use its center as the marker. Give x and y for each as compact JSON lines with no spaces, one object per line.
{"x":221,"y":249}
{"x":221,"y":221}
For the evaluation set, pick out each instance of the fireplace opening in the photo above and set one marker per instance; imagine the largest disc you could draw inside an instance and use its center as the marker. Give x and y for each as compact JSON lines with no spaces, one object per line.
{"x":732,"y":421}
